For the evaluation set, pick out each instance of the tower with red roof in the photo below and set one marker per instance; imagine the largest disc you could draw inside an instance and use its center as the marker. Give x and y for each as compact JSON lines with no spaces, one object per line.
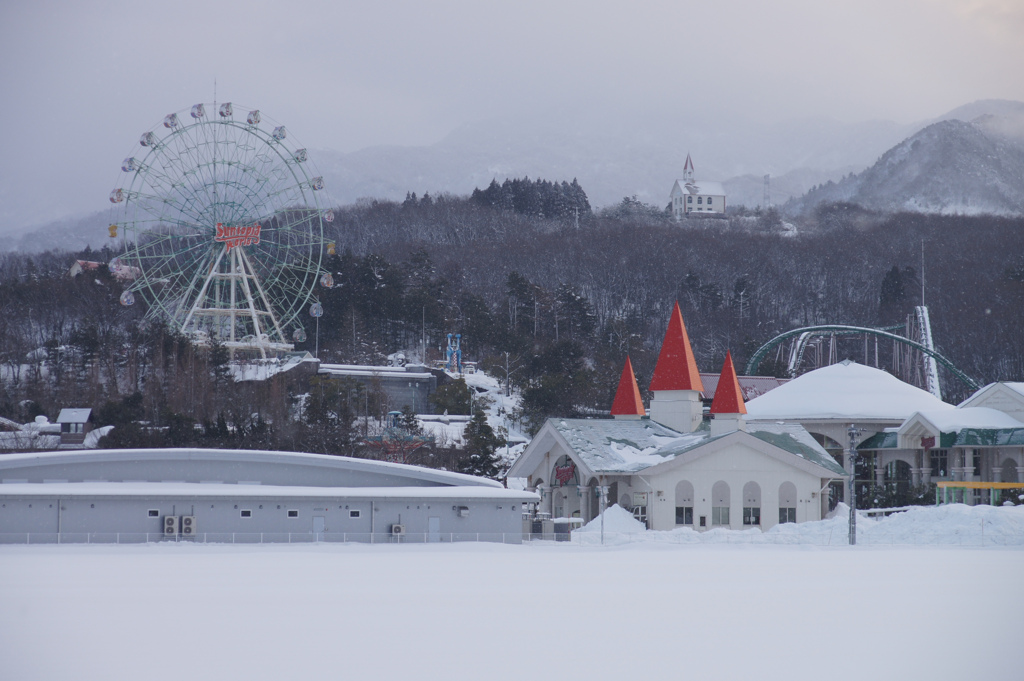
{"x":628,"y":404}
{"x":727,"y":409}
{"x":676,"y":385}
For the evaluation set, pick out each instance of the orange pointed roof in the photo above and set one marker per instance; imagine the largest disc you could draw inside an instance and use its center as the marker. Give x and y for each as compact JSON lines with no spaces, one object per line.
{"x":676,"y":368}
{"x":728,"y":397}
{"x":627,"y":397}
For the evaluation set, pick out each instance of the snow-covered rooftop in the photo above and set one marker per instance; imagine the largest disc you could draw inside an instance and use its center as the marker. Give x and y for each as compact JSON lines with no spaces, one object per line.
{"x":955,"y":420}
{"x":219,"y":490}
{"x":621,"y":446}
{"x":703,"y":188}
{"x":844,"y":391}
{"x":630,"y":446}
{"x":73,"y":415}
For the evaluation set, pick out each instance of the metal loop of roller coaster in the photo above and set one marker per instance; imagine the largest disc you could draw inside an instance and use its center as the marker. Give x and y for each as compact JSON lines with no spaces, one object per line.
{"x":918,"y":325}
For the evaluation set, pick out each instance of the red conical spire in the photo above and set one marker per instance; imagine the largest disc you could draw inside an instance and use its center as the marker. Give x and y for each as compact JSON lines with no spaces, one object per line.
{"x":627,"y":397}
{"x":728,"y":396}
{"x":676,"y":368}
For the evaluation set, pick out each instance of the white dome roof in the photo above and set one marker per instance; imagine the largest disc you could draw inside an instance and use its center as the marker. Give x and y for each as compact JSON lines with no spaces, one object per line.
{"x":844,"y":391}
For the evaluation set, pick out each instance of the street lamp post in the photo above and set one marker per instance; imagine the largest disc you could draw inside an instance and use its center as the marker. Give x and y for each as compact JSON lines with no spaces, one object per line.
{"x":853,"y":432}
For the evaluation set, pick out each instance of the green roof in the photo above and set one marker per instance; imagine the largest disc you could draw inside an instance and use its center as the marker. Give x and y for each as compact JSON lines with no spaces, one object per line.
{"x":787,"y":442}
{"x":881,"y":440}
{"x":989,"y":437}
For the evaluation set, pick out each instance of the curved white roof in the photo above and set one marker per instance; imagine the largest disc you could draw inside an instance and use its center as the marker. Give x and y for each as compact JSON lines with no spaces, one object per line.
{"x":844,"y":391}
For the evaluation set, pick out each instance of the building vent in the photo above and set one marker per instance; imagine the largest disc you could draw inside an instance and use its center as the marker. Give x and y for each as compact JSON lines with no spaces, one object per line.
{"x":188,"y":525}
{"x":170,"y":525}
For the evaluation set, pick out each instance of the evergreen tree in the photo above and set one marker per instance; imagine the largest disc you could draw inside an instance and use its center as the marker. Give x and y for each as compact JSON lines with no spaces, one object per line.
{"x":452,"y":397}
{"x":480,"y":456}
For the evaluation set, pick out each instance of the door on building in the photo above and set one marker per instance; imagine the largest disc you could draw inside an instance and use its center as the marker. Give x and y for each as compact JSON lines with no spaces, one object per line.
{"x":433,"y":528}
{"x":318,"y":526}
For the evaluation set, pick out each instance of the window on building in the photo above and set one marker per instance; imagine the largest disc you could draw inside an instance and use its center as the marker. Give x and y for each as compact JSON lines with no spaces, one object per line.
{"x":787,"y":515}
{"x":353,"y":514}
{"x":751,"y":515}
{"x":247,"y":513}
{"x":154,"y":513}
{"x":689,"y":199}
{"x":703,"y":521}
{"x":700,"y":200}
{"x":684,"y":515}
{"x":709,"y":200}
{"x":293,"y":514}
{"x":977,"y":464}
{"x":939,"y":462}
{"x":719,"y":515}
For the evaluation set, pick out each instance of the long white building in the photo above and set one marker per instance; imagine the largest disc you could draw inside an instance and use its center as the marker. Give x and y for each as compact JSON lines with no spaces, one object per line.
{"x":140,"y":495}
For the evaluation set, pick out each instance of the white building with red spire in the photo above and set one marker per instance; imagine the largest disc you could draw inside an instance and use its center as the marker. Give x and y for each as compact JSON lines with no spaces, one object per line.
{"x":673,"y":469}
{"x":691,"y":197}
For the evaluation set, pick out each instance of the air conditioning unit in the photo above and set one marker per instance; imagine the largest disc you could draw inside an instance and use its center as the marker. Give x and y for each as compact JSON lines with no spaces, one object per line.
{"x":170,"y":525}
{"x":397,"y":530}
{"x":188,"y":524}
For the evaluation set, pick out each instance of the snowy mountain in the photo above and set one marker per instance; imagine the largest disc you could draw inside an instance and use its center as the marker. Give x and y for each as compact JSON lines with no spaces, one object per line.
{"x":949,"y":167}
{"x":611,"y":162}
{"x":71,"y":234}
{"x":612,"y":159}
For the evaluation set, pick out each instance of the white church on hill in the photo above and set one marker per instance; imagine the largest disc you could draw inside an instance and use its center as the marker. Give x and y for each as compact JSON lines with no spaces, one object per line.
{"x":692,"y":198}
{"x":673,"y":470}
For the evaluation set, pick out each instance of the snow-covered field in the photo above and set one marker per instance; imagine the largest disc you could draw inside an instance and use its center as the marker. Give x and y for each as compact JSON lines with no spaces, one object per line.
{"x":536,"y":611}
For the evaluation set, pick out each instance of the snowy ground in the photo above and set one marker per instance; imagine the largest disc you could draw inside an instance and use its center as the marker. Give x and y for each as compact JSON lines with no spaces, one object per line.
{"x":536,"y":611}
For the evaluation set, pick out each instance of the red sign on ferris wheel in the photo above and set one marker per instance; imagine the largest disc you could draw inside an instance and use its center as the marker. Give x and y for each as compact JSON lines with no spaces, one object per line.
{"x":237,"y":235}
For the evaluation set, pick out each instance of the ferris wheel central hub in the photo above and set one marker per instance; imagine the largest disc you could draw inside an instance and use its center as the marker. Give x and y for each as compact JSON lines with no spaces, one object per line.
{"x":237,"y":235}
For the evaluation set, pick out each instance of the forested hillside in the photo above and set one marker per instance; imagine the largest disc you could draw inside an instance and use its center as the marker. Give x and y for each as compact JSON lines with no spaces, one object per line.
{"x":554,"y":305}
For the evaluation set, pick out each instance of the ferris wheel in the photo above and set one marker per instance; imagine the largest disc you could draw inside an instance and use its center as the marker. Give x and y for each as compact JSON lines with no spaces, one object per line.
{"x":222,"y":218}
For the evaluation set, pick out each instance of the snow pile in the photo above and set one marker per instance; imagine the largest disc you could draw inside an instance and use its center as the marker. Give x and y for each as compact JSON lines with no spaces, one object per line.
{"x":617,"y":520}
{"x":950,"y":524}
{"x":92,"y":438}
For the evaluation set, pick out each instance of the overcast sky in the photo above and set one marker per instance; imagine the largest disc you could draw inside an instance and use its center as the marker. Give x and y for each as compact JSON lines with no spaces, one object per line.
{"x":80,"y":80}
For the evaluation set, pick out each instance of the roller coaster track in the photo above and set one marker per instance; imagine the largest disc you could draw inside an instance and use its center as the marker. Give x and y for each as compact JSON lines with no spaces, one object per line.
{"x":843,"y":329}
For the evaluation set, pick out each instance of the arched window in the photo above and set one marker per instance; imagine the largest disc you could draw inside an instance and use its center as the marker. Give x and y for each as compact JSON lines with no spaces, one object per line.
{"x":751,"y":504}
{"x":720,"y":503}
{"x":787,"y":503}
{"x":557,"y":503}
{"x":1009,"y":473}
{"x":684,"y":503}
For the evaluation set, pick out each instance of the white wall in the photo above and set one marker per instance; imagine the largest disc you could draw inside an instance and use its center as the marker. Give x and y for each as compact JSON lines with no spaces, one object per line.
{"x":736,"y":465}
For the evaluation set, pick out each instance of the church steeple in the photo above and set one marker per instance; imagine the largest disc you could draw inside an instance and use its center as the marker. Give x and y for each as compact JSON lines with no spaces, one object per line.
{"x":688,"y":169}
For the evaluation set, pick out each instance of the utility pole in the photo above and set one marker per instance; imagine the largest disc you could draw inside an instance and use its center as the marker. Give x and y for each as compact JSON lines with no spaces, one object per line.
{"x":853,"y":432}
